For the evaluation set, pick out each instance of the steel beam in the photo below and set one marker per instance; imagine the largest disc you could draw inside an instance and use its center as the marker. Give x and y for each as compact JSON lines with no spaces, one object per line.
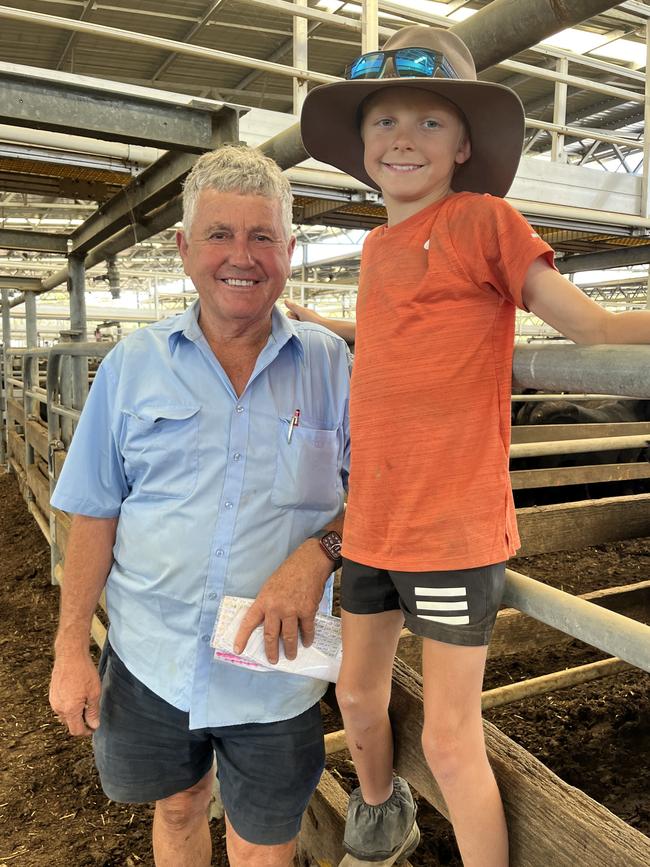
{"x":615,"y":634}
{"x":611,"y":369}
{"x":41,"y":242}
{"x":77,"y":110}
{"x":155,"y":186}
{"x":620,"y":258}
{"x":503,"y":28}
{"x":23,"y":284}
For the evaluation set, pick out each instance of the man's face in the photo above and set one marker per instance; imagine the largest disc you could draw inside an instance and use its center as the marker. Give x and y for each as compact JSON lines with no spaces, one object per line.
{"x":413,"y":140}
{"x":237,"y":256}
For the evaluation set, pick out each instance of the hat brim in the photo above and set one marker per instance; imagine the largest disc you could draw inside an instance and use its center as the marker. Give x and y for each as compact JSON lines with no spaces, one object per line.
{"x":494,"y":113}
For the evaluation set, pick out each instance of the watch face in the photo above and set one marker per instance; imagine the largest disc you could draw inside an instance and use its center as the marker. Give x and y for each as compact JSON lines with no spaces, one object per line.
{"x":331,"y":542}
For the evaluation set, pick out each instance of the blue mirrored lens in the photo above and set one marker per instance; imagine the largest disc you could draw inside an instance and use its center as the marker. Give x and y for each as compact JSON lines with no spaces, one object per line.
{"x":367,"y":66}
{"x":413,"y":61}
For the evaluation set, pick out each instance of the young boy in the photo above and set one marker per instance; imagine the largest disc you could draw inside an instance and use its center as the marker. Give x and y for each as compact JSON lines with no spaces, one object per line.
{"x":430,"y":519}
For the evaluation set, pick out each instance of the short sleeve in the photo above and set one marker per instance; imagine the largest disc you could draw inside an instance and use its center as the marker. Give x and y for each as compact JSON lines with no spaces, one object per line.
{"x":496,"y":245}
{"x":92,"y":480}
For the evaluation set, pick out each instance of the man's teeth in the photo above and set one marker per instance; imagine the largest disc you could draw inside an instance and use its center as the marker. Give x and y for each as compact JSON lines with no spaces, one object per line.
{"x":232,"y":282}
{"x":403,"y":168}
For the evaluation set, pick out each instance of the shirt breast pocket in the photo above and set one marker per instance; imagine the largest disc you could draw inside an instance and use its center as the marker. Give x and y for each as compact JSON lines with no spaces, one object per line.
{"x":160,"y":450}
{"x":307,"y":474}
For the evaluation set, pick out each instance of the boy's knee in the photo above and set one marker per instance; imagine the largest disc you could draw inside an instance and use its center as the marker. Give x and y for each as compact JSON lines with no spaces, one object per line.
{"x":361,"y":704}
{"x":444,"y":752}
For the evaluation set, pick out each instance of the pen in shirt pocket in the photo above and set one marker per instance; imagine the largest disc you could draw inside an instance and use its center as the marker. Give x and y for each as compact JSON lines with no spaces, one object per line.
{"x":295,"y":421}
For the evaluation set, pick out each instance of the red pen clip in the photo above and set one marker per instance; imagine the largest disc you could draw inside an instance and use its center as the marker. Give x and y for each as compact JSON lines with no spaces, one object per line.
{"x":295,"y":421}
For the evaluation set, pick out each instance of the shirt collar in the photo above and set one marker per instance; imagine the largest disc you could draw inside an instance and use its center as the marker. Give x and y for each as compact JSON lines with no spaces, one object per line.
{"x":187,"y":325}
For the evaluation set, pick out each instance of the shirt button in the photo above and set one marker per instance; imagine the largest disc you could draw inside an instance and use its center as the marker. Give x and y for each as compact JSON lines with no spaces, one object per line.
{"x":205,"y":638}
{"x":236,"y":456}
{"x":228,"y":504}
{"x":219,"y":552}
{"x":239,"y":408}
{"x":212,"y":595}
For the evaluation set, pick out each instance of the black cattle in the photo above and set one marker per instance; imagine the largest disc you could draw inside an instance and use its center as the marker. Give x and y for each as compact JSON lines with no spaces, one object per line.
{"x":596,"y":411}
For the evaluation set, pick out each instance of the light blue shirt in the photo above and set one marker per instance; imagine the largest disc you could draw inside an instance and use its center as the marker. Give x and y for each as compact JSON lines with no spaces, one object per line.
{"x":211,"y":498}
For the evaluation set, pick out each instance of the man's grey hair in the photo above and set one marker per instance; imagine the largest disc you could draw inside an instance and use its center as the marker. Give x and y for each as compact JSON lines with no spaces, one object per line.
{"x":237,"y":169}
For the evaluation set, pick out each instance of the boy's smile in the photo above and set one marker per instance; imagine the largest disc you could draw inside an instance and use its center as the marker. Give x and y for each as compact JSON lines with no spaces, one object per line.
{"x":413,"y":141}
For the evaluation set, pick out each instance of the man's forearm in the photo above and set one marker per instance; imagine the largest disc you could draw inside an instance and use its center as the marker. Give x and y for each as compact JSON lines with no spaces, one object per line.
{"x":88,"y":560}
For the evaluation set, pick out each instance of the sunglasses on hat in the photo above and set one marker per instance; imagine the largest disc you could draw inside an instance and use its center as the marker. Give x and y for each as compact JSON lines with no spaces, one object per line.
{"x":406,"y":63}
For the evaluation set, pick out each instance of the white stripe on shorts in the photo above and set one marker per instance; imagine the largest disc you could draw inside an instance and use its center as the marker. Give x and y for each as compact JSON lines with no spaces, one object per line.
{"x":452,"y":621}
{"x":441,"y":606}
{"x":441,"y":591}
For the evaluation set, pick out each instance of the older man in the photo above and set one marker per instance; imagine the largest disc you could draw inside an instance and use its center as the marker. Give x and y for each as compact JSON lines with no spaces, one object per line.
{"x":189,"y":481}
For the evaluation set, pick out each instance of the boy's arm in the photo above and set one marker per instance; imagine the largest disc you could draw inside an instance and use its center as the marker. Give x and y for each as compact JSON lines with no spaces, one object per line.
{"x":562,"y":305}
{"x":342,"y":327}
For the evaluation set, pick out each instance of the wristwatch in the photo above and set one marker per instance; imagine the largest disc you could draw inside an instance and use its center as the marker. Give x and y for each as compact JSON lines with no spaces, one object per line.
{"x":330,"y":542}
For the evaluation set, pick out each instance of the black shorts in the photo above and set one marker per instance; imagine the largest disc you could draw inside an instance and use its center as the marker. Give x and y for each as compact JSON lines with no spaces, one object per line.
{"x":457,"y":606}
{"x":145,"y":751}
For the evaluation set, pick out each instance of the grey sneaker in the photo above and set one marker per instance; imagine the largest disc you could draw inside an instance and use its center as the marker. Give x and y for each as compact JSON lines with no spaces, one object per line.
{"x":384,"y":834}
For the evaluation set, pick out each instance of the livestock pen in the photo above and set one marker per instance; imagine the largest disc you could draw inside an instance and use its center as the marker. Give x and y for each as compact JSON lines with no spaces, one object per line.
{"x":551,"y":820}
{"x":43,"y":392}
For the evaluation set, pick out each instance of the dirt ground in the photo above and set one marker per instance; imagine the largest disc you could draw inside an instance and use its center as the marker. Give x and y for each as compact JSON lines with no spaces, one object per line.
{"x":52,"y":811}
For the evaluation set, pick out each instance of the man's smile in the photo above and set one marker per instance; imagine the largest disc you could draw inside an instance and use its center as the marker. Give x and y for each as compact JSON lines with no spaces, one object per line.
{"x":238,"y":282}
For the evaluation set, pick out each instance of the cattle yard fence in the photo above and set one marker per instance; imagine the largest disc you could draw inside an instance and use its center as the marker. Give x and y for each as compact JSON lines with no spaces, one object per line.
{"x":43,"y":391}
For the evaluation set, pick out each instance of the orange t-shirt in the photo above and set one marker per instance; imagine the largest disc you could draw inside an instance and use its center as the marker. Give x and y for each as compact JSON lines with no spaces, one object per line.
{"x":431,"y":386}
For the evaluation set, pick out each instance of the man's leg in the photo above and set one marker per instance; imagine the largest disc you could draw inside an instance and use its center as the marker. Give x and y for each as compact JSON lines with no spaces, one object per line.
{"x":181,"y":836}
{"x":145,"y":751}
{"x":267,"y":773}
{"x":241,"y":853}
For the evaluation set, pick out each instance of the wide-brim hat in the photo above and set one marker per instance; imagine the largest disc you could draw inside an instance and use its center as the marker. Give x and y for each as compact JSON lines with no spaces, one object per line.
{"x":330,"y":118}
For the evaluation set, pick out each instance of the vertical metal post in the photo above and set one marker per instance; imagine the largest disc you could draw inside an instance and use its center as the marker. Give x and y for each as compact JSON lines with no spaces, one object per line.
{"x":31,"y":325}
{"x":300,"y":57}
{"x":78,"y":333}
{"x":155,"y":298}
{"x":369,"y":25}
{"x":558,"y":154}
{"x":30,"y":379}
{"x":6,"y":341}
{"x":645,"y":185}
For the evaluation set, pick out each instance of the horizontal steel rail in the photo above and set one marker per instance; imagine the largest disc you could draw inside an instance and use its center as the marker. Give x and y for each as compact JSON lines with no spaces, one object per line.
{"x":608,"y":631}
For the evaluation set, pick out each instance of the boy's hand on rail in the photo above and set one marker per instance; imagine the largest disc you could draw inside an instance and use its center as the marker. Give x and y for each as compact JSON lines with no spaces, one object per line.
{"x":74,"y":693}
{"x":288,"y":602}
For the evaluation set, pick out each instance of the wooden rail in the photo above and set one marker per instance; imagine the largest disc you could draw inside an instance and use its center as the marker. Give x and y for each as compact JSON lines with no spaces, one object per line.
{"x":540,"y":433}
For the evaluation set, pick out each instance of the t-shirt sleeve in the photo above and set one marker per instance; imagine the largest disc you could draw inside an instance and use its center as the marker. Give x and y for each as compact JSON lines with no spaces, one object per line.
{"x":497,"y":246}
{"x":92,"y":480}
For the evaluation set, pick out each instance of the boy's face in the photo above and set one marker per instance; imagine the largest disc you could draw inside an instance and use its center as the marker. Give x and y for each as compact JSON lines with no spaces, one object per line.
{"x":413,"y":140}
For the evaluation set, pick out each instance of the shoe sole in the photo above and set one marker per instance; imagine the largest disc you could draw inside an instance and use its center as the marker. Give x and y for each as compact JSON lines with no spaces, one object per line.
{"x":409,"y":846}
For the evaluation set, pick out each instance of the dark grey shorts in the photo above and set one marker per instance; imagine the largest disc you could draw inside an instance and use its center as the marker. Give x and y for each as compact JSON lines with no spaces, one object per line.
{"x":457,"y":606}
{"x":145,"y":751}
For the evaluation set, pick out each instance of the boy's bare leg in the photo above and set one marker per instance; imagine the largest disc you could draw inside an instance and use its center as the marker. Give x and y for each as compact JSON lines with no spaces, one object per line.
{"x":363,"y":693}
{"x":454,"y":747}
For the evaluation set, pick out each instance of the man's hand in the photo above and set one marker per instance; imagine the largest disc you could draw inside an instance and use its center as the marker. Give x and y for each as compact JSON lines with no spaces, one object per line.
{"x":74,"y":692}
{"x":288,"y":601}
